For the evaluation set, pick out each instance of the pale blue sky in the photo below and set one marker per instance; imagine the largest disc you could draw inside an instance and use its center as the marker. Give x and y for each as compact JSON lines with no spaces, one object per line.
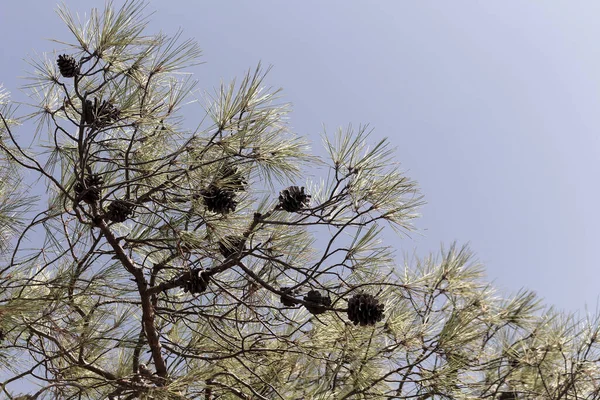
{"x":494,"y":107}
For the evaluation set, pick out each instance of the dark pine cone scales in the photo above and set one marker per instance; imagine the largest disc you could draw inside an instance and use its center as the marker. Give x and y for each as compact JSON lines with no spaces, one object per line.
{"x":106,"y":113}
{"x":197,"y":283}
{"x":88,"y":112}
{"x":219,"y":200}
{"x":293,"y":199}
{"x":287,"y":299}
{"x":364,"y":309}
{"x":230,"y":245}
{"x":90,"y":190}
{"x":67,"y":66}
{"x":318,"y":302}
{"x":119,"y":210}
{"x":100,"y":114}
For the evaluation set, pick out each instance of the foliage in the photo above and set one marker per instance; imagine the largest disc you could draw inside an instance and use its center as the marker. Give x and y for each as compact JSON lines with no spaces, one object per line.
{"x":166,"y":264}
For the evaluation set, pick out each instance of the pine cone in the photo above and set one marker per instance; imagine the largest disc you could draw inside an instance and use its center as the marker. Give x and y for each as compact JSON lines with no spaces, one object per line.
{"x":89,"y":191}
{"x":219,"y":200}
{"x":198,"y":281}
{"x":293,"y":199}
{"x":100,"y":114}
{"x":67,"y":66}
{"x":89,"y":195}
{"x":364,"y":309}
{"x":230,"y":245}
{"x":507,"y":396}
{"x":105,"y":113}
{"x":318,"y":301}
{"x":286,"y":299}
{"x":119,"y":210}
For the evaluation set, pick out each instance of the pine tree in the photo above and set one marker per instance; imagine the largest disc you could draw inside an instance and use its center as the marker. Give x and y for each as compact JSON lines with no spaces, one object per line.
{"x":203,"y":264}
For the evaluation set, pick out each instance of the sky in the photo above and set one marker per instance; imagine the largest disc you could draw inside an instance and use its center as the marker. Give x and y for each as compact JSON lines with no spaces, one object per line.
{"x":493,"y":108}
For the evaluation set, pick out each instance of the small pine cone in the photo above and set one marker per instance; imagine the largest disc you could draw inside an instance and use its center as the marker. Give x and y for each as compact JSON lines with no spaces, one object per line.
{"x":507,"y":396}
{"x":219,"y":200}
{"x":286,"y":299}
{"x":230,"y":245}
{"x":293,"y":199}
{"x":197,"y":283}
{"x":319,"y":302}
{"x":106,"y":113}
{"x":89,"y":195}
{"x":67,"y":66}
{"x":89,"y":191}
{"x":364,"y":309}
{"x":230,"y":178}
{"x":119,"y":210}
{"x":100,"y":114}
{"x":94,"y":180}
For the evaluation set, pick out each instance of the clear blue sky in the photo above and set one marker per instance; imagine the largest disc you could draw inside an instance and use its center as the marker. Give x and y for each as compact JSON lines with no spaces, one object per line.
{"x":494,"y":108}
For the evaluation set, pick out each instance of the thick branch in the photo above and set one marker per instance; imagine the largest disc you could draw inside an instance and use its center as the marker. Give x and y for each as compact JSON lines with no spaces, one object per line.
{"x":145,"y":297}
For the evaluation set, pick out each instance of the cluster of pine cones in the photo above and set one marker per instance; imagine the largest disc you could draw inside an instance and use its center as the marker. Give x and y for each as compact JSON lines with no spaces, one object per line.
{"x":363,"y":309}
{"x":98,"y":114}
{"x":90,"y":191}
{"x":219,"y":197}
